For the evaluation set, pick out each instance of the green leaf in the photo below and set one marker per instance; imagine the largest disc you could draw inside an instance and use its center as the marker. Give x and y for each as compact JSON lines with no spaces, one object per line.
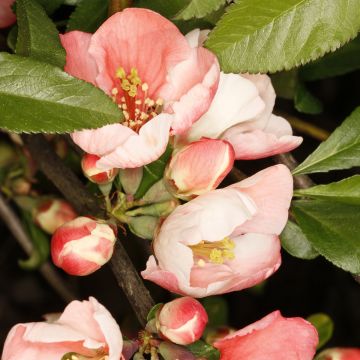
{"x":166,"y":8}
{"x":199,"y":9}
{"x":340,"y":151}
{"x":144,"y":226}
{"x":37,"y":34}
{"x":217,"y":310}
{"x":306,"y":102}
{"x":346,"y":191}
{"x":204,"y":350}
{"x":340,"y":62}
{"x":333,"y":229}
{"x":285,"y":83}
{"x":269,"y":36}
{"x":50,"y":5}
{"x":152,"y":313}
{"x":152,"y":173}
{"x":38,"y":97}
{"x":88,"y":15}
{"x":324,"y":326}
{"x":294,"y":241}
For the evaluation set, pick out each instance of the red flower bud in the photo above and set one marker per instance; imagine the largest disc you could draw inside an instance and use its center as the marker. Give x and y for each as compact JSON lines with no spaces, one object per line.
{"x":340,"y":354}
{"x":53,"y":213}
{"x":182,"y":321}
{"x":82,"y":246}
{"x":93,"y":173}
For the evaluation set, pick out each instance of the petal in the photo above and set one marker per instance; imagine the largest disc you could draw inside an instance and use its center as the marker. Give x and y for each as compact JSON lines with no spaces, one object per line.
{"x":7,"y":16}
{"x":103,"y":140}
{"x":271,"y":190}
{"x":140,"y":149}
{"x":276,"y":138}
{"x":156,"y":45}
{"x":79,"y":63}
{"x":197,"y":37}
{"x":273,"y":338}
{"x":236,"y":100}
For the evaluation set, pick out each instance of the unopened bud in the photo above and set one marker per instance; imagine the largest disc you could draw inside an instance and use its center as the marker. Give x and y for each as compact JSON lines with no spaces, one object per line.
{"x":93,"y":173}
{"x":182,"y":320}
{"x":83,"y":245}
{"x":52,"y":213}
{"x":340,"y":354}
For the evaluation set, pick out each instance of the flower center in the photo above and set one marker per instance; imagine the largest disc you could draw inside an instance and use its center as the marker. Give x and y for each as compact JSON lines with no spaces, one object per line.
{"x":131,"y":95}
{"x":75,"y":356}
{"x":216,"y":252}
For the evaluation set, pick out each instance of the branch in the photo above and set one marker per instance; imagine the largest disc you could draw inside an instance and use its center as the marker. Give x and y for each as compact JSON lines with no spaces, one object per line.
{"x":76,"y":193}
{"x":47,"y":270}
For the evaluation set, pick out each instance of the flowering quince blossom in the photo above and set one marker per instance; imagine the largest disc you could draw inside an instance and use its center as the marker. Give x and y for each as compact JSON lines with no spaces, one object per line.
{"x":161,"y":83}
{"x":182,"y":320}
{"x":199,"y":167}
{"x":53,"y":213}
{"x":224,"y":240}
{"x":83,"y":245}
{"x":241,"y":113}
{"x":339,"y":354}
{"x":7,"y":16}
{"x":272,"y":338}
{"x":84,"y":331}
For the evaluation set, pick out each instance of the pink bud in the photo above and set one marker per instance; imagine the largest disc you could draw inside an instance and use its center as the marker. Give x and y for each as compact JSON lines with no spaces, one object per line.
{"x":182,"y":321}
{"x":82,"y":246}
{"x":199,"y":167}
{"x":340,"y":354}
{"x":53,"y":213}
{"x":93,"y":173}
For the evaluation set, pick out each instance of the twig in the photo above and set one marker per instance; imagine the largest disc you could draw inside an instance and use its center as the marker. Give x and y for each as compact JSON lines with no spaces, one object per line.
{"x":47,"y":270}
{"x":73,"y":190}
{"x":237,"y":174}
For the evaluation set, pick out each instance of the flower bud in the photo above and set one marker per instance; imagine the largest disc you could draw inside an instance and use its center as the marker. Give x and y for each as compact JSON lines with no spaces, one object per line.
{"x":20,"y":186}
{"x":199,"y":167}
{"x":94,"y":174}
{"x":82,"y":246}
{"x":53,"y":213}
{"x":340,"y":354}
{"x":182,"y":321}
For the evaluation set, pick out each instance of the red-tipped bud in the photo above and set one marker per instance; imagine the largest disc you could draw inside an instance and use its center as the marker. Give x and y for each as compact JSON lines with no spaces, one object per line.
{"x":93,"y":173}
{"x":82,"y":246}
{"x":340,"y":354}
{"x":53,"y":213}
{"x":182,"y":321}
{"x":199,"y":167}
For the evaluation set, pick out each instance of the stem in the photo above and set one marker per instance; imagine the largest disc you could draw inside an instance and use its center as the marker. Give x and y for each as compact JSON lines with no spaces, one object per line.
{"x":73,"y":190}
{"x":47,"y":270}
{"x":118,"y":5}
{"x":237,"y":174}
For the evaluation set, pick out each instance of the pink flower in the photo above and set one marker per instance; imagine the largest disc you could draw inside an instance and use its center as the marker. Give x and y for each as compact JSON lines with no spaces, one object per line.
{"x":224,"y":240}
{"x":272,"y":338}
{"x":340,"y":354}
{"x":199,"y":167}
{"x":241,"y":113}
{"x":182,"y":321}
{"x":85,"y":328}
{"x":93,"y":173}
{"x":161,"y":83}
{"x":7,"y":16}
{"x":82,"y":246}
{"x":53,"y":213}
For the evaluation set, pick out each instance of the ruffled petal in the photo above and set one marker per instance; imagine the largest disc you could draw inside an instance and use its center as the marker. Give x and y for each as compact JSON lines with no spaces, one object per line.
{"x":139,"y":149}
{"x":141,"y":39}
{"x":7,"y":16}
{"x":79,"y":62}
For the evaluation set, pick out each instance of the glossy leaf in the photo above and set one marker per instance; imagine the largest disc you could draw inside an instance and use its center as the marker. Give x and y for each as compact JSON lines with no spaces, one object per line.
{"x":203,"y":350}
{"x":166,"y":8}
{"x":262,"y":36}
{"x":38,"y":97}
{"x":346,"y":191}
{"x":37,"y":35}
{"x":332,"y":229}
{"x":324,"y":326}
{"x":306,"y":102}
{"x":50,"y":5}
{"x":340,"y":151}
{"x":199,"y":9}
{"x":88,"y":15}
{"x":294,"y":241}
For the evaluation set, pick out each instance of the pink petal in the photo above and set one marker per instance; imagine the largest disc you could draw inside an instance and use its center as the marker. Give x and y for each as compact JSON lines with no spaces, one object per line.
{"x":197,"y":37}
{"x":139,"y":149}
{"x":273,"y":338}
{"x":103,"y":140}
{"x":79,"y":63}
{"x":271,"y":190}
{"x":7,"y":16}
{"x":141,"y":39}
